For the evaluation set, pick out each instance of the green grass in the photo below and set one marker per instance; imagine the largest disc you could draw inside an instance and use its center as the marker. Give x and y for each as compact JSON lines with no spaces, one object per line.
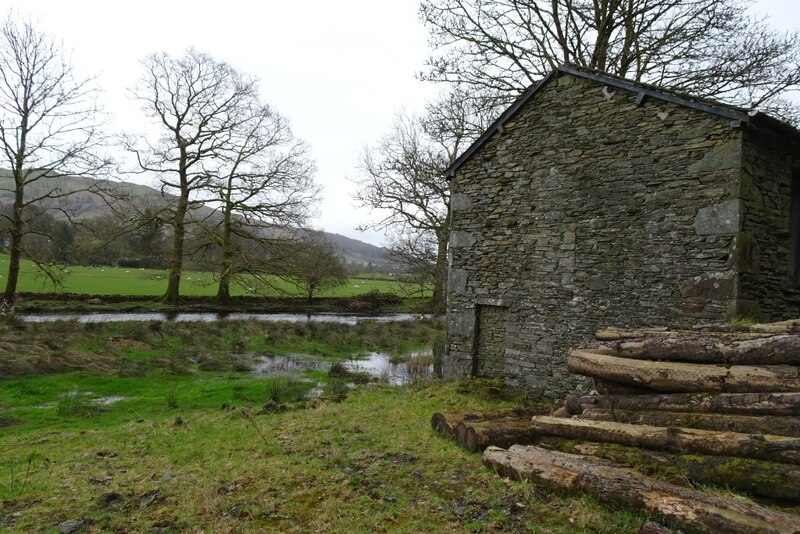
{"x":152,"y":282}
{"x":173,"y":456}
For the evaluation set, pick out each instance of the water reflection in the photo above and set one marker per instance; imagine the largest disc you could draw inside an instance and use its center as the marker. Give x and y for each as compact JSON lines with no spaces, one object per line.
{"x":379,"y":365}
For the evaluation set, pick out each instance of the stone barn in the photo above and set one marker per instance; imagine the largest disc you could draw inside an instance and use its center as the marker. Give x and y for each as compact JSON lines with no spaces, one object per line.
{"x":595,"y":201}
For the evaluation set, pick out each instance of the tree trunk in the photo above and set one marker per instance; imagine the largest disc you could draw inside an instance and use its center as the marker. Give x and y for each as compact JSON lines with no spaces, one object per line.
{"x":15,"y":253}
{"x":440,"y":275}
{"x":747,"y":424}
{"x":688,"y":509}
{"x":685,"y":377}
{"x":226,"y":265}
{"x":224,"y":289}
{"x":476,"y":436}
{"x":173,"y":295}
{"x":733,"y":403}
{"x":778,"y":349}
{"x":762,"y":446}
{"x":756,"y":477}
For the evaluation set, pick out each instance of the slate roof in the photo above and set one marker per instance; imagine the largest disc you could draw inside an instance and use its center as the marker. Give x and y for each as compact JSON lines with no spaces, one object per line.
{"x":737,"y":115}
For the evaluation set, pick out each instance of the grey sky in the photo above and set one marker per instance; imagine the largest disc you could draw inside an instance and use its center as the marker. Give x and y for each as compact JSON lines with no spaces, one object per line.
{"x":339,"y":70}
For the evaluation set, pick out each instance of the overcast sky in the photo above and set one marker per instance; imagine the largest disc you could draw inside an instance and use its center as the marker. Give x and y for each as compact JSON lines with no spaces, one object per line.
{"x":339,"y":70}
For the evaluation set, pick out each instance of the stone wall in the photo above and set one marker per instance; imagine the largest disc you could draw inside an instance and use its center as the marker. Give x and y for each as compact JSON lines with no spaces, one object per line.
{"x":762,"y":249}
{"x":590,"y":210}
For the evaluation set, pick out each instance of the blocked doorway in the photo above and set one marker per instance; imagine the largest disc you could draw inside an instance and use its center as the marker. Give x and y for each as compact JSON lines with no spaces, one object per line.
{"x":488,"y":357}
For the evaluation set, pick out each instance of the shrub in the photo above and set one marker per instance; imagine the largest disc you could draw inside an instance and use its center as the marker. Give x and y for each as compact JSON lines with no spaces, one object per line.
{"x":75,"y":403}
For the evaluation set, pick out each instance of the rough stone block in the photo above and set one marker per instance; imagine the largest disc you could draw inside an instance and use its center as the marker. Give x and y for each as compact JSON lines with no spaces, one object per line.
{"x":461,"y":323}
{"x":745,"y":309}
{"x":745,"y":254}
{"x":719,"y":219}
{"x":461,"y":239}
{"x":460,"y":201}
{"x":714,"y":286}
{"x":457,"y":281}
{"x":723,"y":156}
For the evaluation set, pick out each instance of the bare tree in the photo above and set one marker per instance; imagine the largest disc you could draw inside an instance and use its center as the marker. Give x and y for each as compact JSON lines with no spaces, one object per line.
{"x":265,"y":189}
{"x":709,"y":48}
{"x":49,"y":131}
{"x":196,"y":101}
{"x":403,"y":178}
{"x":311,"y":265}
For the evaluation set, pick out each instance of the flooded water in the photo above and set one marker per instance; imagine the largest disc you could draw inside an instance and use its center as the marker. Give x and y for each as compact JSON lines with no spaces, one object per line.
{"x":377,"y":364}
{"x":211,"y":317}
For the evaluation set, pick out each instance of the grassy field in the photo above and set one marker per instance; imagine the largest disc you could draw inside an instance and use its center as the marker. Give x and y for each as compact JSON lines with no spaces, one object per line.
{"x":153,"y":282}
{"x":178,"y":453}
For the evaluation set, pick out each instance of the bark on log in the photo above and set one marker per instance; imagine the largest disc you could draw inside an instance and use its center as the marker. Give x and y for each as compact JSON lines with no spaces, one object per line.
{"x":654,"y":528}
{"x":756,"y":477}
{"x":674,"y":439}
{"x":733,"y":403}
{"x":476,"y":436}
{"x":747,"y":424}
{"x":606,"y":387}
{"x":615,"y":334}
{"x":685,"y":377}
{"x":446,"y":423}
{"x":778,"y":349}
{"x":791,"y":326}
{"x":685,"y":508}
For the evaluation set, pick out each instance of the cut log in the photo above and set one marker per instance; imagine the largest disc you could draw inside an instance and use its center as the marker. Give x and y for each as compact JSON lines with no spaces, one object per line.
{"x":685,"y":377}
{"x":734,"y":403}
{"x":651,"y":527}
{"x":791,"y":326}
{"x":606,"y":387}
{"x":747,"y":424}
{"x":685,"y":508}
{"x":779,"y":349}
{"x":614,"y":334}
{"x":756,"y":477}
{"x":476,"y":436}
{"x":673,"y":439}
{"x":445,"y":423}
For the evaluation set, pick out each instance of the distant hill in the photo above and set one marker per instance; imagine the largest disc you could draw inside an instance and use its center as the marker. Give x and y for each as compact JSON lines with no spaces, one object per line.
{"x":86,"y":205}
{"x":358,"y":251}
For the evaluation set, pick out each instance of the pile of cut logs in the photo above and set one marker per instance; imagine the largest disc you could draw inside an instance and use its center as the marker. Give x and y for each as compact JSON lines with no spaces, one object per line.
{"x":711,"y":406}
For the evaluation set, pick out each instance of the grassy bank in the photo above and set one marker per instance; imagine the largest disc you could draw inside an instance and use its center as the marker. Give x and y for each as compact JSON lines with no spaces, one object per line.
{"x":178,"y":453}
{"x":135,"y":282}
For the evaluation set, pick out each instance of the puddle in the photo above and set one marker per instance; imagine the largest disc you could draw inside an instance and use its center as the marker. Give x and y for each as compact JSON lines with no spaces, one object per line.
{"x":113,"y":399}
{"x":377,"y":364}
{"x":288,"y":364}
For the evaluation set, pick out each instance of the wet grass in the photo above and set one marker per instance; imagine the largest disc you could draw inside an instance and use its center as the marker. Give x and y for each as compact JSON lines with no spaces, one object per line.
{"x":107,"y":280}
{"x":367,"y":464}
{"x":185,"y":449}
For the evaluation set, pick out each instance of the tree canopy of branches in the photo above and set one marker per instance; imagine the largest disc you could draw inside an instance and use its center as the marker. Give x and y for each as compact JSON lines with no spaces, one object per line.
{"x":197,"y":103}
{"x":402,"y":177}
{"x":311,"y":265}
{"x":49,"y":131}
{"x":264,"y":189}
{"x":708,"y":48}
